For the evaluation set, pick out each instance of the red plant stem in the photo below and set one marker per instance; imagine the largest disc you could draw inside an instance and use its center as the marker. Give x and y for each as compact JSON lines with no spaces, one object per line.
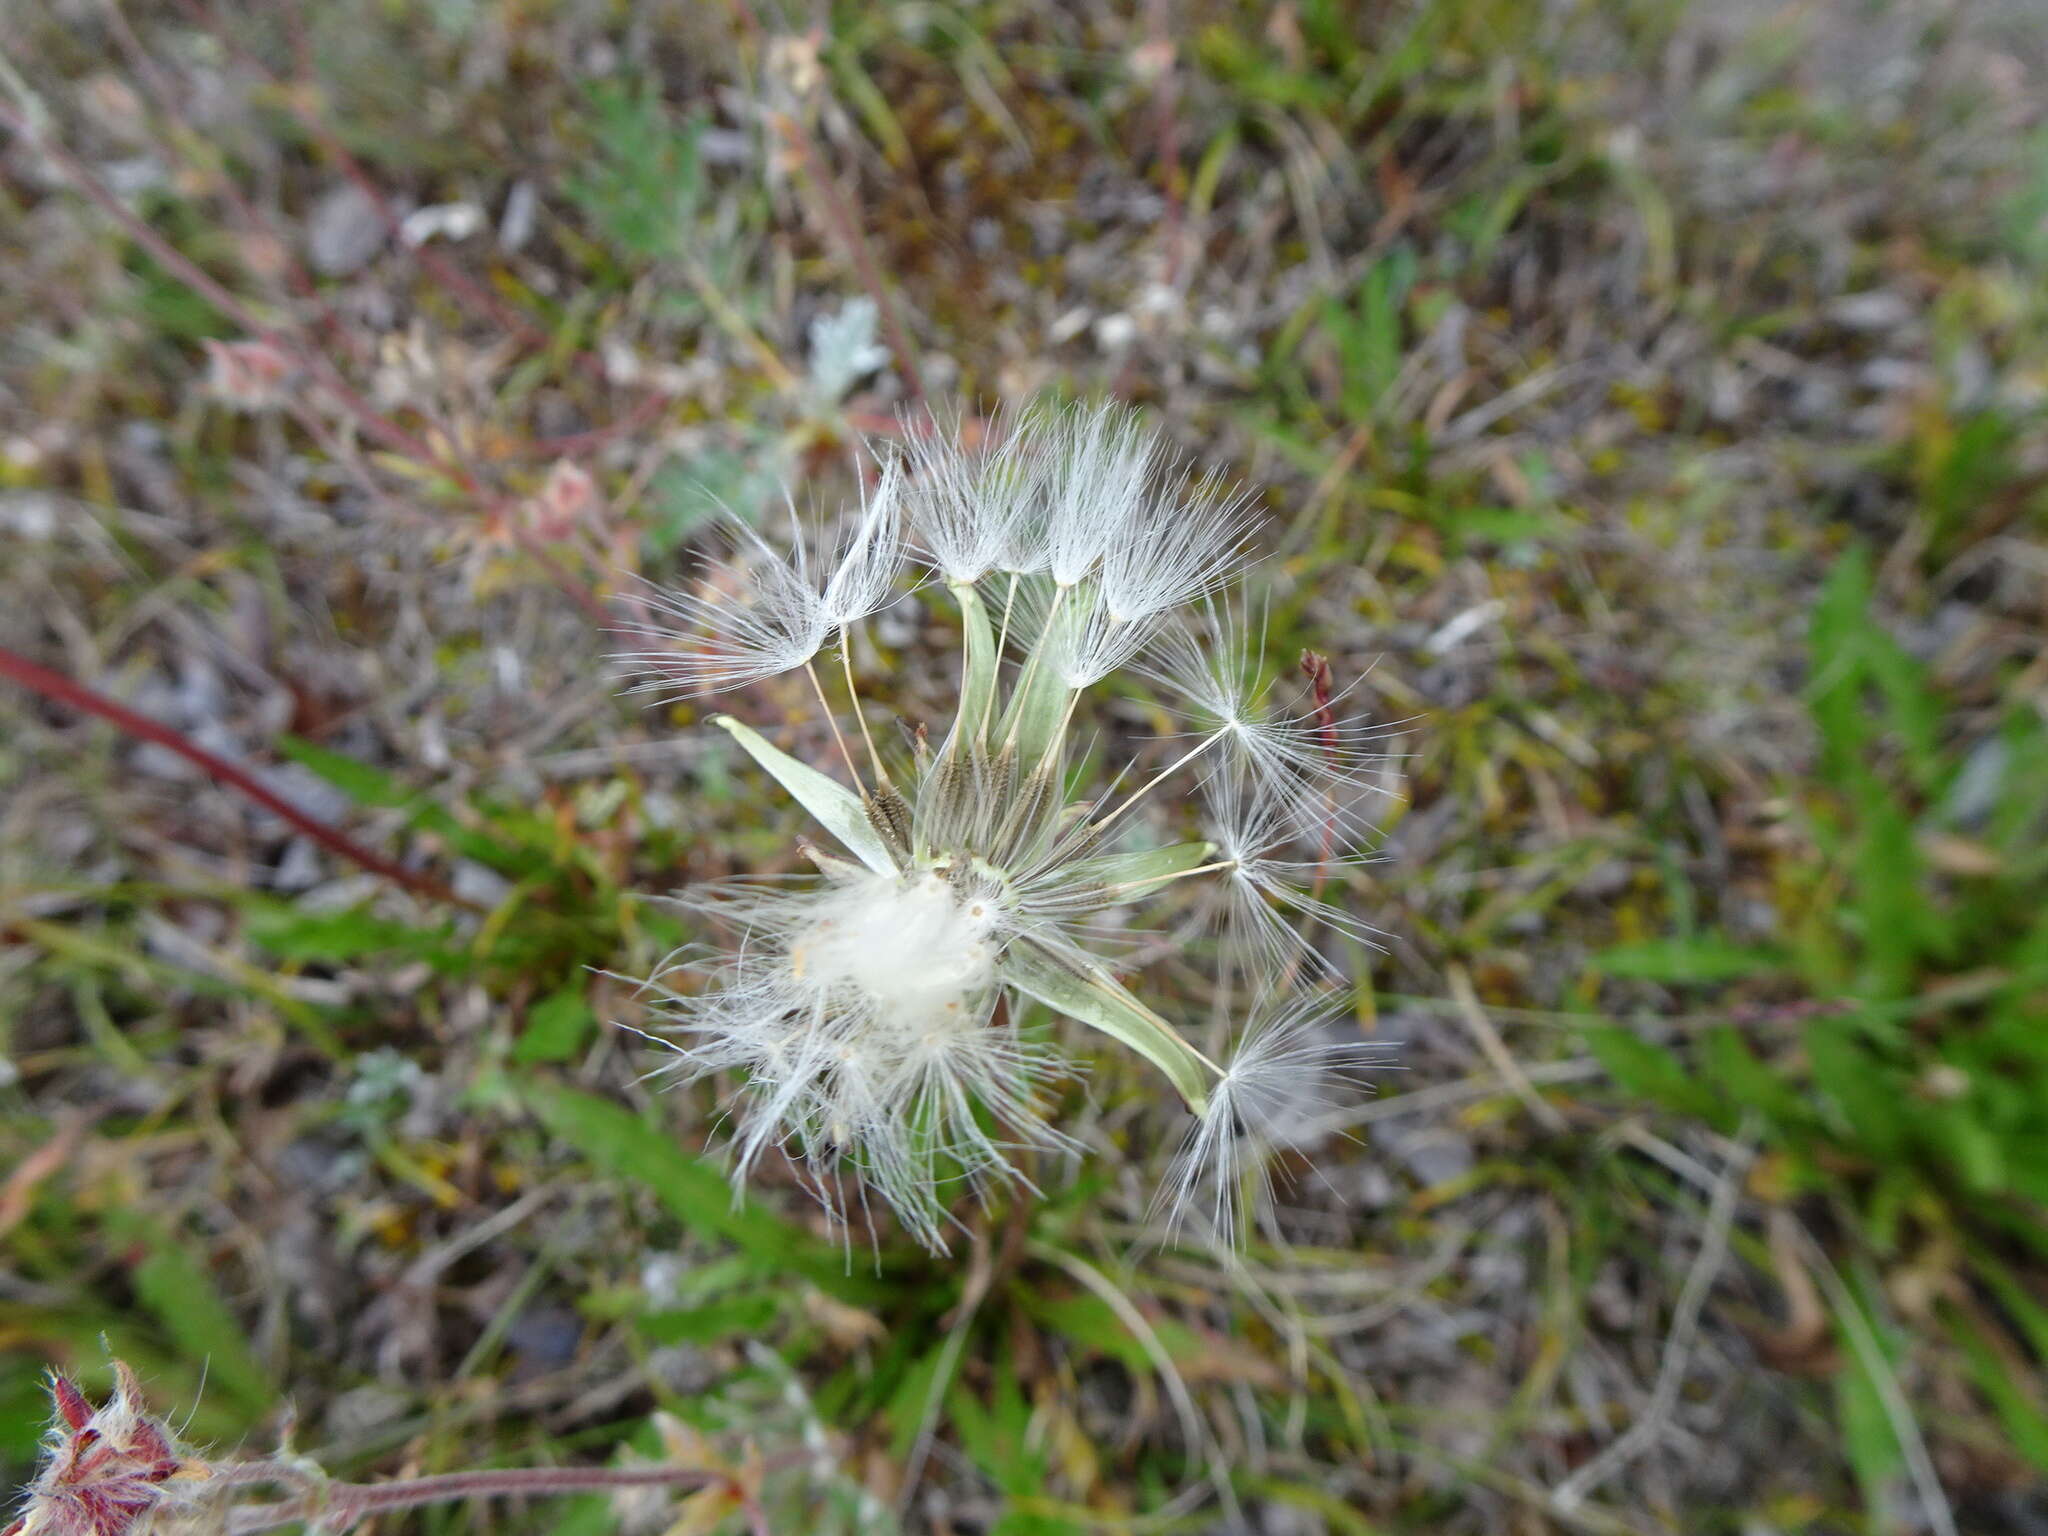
{"x":339,"y":1506}
{"x":54,"y":685}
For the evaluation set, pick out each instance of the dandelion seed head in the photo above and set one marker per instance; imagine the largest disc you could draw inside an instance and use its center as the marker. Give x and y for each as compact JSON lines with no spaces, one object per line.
{"x":879,"y":1023}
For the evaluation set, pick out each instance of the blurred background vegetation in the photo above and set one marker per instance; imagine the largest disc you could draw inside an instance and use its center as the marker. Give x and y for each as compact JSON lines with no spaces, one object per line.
{"x":1648,"y":402}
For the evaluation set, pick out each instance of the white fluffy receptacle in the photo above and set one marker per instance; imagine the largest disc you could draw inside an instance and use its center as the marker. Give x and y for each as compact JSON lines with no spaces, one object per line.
{"x":868,"y":1030}
{"x":913,"y":947}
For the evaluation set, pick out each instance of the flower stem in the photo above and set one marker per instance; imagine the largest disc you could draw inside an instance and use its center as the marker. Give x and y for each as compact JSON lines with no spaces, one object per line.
{"x":824,"y":704}
{"x":338,"y":1506}
{"x":1167,"y":772}
{"x":860,"y":716}
{"x":1023,"y":682}
{"x":1002,"y":638}
{"x":1179,"y":874}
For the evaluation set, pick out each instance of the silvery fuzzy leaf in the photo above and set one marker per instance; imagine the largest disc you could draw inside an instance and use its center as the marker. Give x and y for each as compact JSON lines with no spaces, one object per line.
{"x":843,"y":348}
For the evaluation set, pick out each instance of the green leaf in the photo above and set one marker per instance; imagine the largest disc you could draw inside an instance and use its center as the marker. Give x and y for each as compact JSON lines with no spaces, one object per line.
{"x":1731,"y":1067}
{"x":1899,"y":918}
{"x":1868,"y":1435}
{"x":1867,"y":1095}
{"x":727,"y":1318}
{"x":1687,"y":960}
{"x":556,"y":1027}
{"x":915,"y":1391}
{"x":1835,"y":641}
{"x":1649,"y":1071}
{"x":837,"y":808}
{"x":343,"y":936}
{"x":1091,"y":996}
{"x":359,"y":781}
{"x":174,"y":1286}
{"x":2016,"y":1398}
{"x":1086,"y":1319}
{"x":694,"y":1191}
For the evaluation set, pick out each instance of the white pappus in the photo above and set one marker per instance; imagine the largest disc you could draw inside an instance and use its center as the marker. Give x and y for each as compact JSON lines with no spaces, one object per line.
{"x":880,"y":1015}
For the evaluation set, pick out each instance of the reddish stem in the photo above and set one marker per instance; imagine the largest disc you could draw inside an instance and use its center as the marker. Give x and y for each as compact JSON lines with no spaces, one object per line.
{"x":342,"y":1505}
{"x":54,"y":685}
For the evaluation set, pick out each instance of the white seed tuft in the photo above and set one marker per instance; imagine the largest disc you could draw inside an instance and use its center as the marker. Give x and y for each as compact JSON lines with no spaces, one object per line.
{"x":881,"y":1019}
{"x":1295,"y":1065}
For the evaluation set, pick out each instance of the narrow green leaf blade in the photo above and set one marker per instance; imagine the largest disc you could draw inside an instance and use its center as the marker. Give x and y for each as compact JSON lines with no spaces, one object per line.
{"x":837,"y":808}
{"x":1687,"y":960}
{"x":698,"y":1195}
{"x":1094,"y":998}
{"x":177,"y":1289}
{"x":556,"y":1027}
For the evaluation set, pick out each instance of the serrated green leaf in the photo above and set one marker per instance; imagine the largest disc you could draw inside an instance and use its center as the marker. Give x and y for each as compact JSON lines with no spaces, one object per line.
{"x":837,"y":809}
{"x":1095,"y":998}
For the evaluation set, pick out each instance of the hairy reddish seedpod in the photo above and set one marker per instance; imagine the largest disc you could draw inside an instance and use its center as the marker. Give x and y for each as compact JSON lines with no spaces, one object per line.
{"x":105,"y":1469}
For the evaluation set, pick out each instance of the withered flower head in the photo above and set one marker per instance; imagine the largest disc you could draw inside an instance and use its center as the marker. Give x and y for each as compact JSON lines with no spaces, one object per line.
{"x":105,"y":1470}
